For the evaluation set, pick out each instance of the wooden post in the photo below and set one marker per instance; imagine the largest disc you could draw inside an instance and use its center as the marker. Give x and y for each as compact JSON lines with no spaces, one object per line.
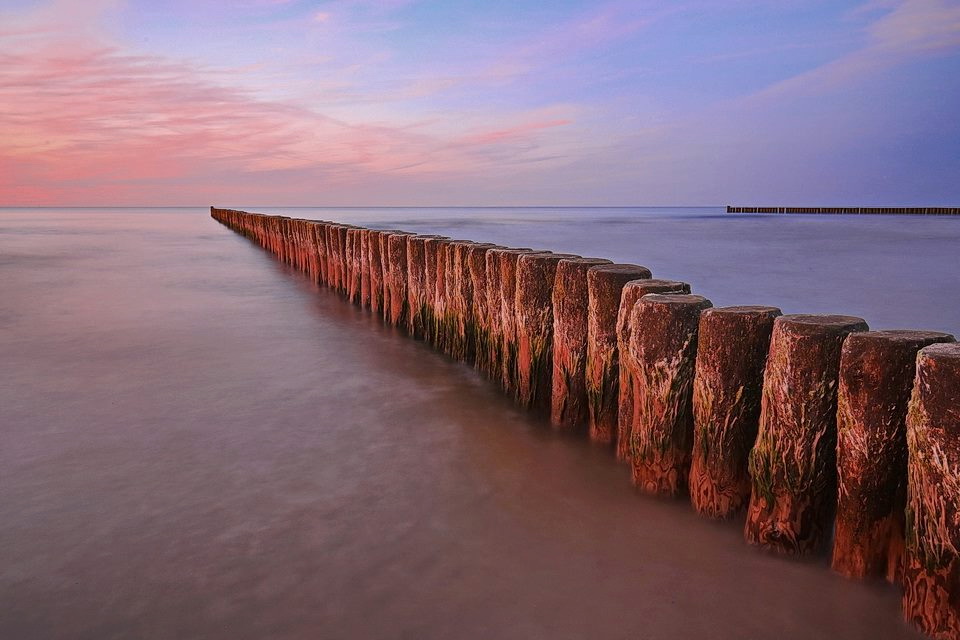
{"x":876,"y":376}
{"x":604,"y":285}
{"x":353,"y":265}
{"x":507,"y":288}
{"x":387,"y":270}
{"x":416,"y":285}
{"x":320,"y":256}
{"x":481,"y":318}
{"x":732,"y":351}
{"x":342,"y":258}
{"x":376,"y":271}
{"x":793,"y":462}
{"x":433,"y":250}
{"x":397,"y":279}
{"x":535,"y":276}
{"x":571,"y":301}
{"x":364,"y":240}
{"x":493,"y":362}
{"x":631,"y":294}
{"x":663,"y":344}
{"x":931,"y":598}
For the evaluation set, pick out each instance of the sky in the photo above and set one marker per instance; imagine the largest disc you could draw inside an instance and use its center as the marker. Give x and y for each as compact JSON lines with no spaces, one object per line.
{"x":479,"y":102}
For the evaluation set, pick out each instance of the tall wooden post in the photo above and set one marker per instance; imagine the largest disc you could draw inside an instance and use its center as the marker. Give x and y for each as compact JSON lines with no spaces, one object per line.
{"x":793,"y":462}
{"x":604,"y":286}
{"x":663,"y":344}
{"x":571,"y":301}
{"x":536,"y":273}
{"x":931,"y":578}
{"x":631,"y":294}
{"x":876,"y":376}
{"x":732,"y":351}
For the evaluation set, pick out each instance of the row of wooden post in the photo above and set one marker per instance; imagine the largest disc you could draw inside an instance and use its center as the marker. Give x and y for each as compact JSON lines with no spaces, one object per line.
{"x":816,"y":427}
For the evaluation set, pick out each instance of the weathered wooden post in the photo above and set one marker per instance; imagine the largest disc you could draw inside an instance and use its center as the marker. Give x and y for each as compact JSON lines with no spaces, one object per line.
{"x":376,"y":271}
{"x":333,"y":271}
{"x":387,"y":270}
{"x":492,"y":363}
{"x":364,"y":240}
{"x":477,"y":264}
{"x":631,"y":294}
{"x":604,"y":287}
{"x":793,"y":462}
{"x":536,"y":273}
{"x":507,"y":288}
{"x":876,"y":376}
{"x":460,"y":300}
{"x":343,"y":258}
{"x":433,"y":249}
{"x":397,"y":279}
{"x":417,"y":286}
{"x":931,"y":575}
{"x":732,"y":348}
{"x":319,"y":252}
{"x":571,"y":301}
{"x":353,"y":265}
{"x":663,"y":344}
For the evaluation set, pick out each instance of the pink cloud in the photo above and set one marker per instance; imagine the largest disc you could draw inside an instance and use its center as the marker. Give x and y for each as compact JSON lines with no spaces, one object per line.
{"x":94,"y":124}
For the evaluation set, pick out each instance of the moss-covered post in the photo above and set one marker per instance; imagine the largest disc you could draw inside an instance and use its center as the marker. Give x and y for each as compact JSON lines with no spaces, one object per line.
{"x":793,"y":462}
{"x":876,"y":376}
{"x":663,"y":345}
{"x":604,"y":287}
{"x":931,"y":576}
{"x":536,"y":273}
{"x":732,"y":348}
{"x":571,"y":302}
{"x":631,"y":294}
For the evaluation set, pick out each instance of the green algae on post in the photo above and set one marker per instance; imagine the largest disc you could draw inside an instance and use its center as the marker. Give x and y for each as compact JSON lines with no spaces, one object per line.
{"x":571,"y":301}
{"x":663,"y":345}
{"x":793,"y":462}
{"x":604,"y":287}
{"x":931,"y":575}
{"x":536,"y":273}
{"x":732,"y":350}
{"x":876,"y":376}
{"x":631,"y":294}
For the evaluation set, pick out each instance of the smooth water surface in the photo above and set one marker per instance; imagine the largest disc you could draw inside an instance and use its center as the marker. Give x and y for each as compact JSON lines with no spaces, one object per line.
{"x":196,"y":442}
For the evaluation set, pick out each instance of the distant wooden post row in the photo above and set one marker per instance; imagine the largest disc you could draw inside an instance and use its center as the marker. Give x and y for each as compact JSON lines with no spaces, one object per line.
{"x":819,"y":433}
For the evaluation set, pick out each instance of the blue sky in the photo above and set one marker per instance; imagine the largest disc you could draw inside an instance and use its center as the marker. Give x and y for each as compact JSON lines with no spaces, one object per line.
{"x":400,"y":102}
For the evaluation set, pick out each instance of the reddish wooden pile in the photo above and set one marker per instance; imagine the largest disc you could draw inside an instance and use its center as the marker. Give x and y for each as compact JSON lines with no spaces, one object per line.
{"x":800,"y":424}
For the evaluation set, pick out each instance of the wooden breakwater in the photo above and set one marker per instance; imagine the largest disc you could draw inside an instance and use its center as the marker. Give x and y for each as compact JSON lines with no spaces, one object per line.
{"x":821,"y":435}
{"x":912,"y":211}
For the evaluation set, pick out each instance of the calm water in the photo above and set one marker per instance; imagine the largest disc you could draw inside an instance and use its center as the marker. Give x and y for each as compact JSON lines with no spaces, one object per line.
{"x":196,"y":442}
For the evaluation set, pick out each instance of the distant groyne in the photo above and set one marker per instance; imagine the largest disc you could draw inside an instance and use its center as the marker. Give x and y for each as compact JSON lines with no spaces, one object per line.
{"x":822,"y":436}
{"x":911,"y":211}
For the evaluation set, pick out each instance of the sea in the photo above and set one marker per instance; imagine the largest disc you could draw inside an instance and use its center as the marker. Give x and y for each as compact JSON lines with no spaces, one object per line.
{"x":196,"y":441}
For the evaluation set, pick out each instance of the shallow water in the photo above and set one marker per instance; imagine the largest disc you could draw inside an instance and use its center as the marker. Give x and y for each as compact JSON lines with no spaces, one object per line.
{"x":197,"y":442}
